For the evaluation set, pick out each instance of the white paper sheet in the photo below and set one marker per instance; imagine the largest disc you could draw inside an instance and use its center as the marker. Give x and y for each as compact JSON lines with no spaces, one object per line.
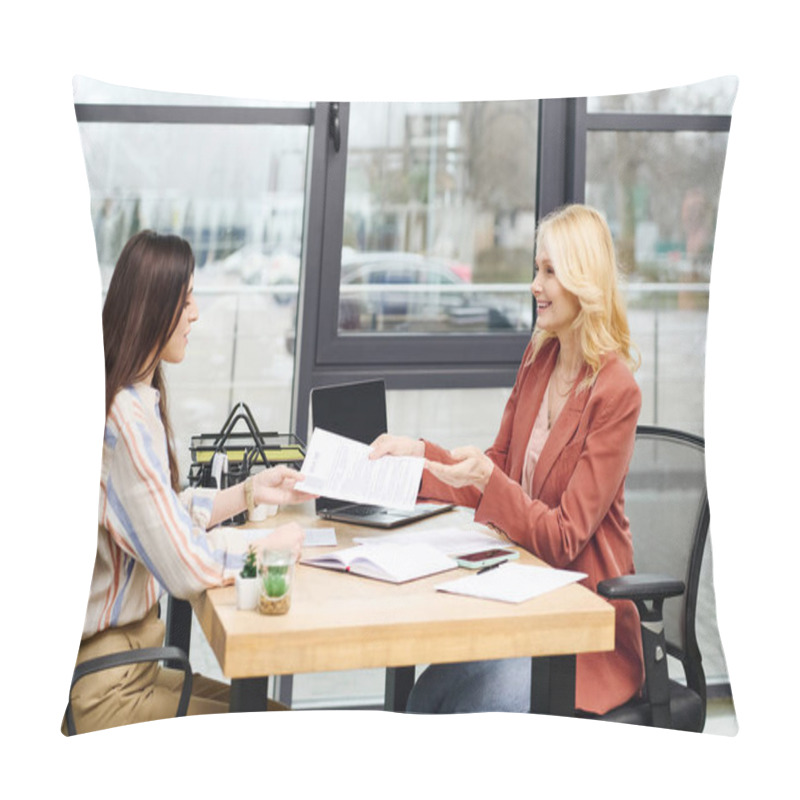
{"x":512,"y":583}
{"x":314,"y":537}
{"x":450,"y":541}
{"x":319,"y":537}
{"x":340,"y":468}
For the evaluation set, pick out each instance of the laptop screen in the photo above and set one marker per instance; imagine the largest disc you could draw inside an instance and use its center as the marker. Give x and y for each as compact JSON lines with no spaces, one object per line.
{"x":354,"y":410}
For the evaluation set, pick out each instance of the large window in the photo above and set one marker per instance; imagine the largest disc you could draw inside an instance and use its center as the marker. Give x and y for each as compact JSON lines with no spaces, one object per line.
{"x":423,"y":270}
{"x":236,"y":190}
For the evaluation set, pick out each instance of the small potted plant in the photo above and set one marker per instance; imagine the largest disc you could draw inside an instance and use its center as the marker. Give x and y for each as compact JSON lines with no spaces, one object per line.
{"x":247,"y":582}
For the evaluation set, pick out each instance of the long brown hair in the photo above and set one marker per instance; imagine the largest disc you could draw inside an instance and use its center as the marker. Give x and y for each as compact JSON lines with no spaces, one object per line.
{"x":147,"y":291}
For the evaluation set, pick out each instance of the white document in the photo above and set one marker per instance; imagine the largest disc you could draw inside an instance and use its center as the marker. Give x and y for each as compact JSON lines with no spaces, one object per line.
{"x":512,"y":583}
{"x":319,"y":537}
{"x":386,"y":562}
{"x":340,"y":468}
{"x":451,"y":541}
{"x":313,"y":537}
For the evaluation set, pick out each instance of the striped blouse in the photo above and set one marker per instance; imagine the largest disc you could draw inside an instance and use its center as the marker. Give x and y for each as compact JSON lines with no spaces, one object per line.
{"x":150,"y":539}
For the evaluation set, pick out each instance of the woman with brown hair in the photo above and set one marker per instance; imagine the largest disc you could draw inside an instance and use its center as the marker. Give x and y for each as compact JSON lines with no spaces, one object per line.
{"x":553,"y":481}
{"x":152,"y":536}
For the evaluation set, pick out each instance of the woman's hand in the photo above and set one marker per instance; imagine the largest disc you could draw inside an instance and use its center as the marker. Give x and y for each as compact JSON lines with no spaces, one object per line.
{"x":284,"y":537}
{"x":388,"y":445}
{"x":472,"y":467}
{"x":275,"y":487}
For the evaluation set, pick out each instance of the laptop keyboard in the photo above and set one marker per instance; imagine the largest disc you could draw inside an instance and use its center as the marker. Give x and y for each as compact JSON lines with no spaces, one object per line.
{"x":364,"y":511}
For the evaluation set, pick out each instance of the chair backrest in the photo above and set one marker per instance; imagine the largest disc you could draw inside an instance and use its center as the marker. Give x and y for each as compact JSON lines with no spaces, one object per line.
{"x":667,"y":504}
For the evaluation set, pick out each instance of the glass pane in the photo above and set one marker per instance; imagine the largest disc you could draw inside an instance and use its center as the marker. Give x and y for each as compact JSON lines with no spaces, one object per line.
{"x":237,"y":194}
{"x":439,"y":218}
{"x":709,"y":97}
{"x":671,"y":340}
{"x":660,"y":193}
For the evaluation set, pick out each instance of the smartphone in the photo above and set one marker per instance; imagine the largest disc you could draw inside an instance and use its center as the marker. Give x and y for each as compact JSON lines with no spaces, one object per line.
{"x":486,"y":558}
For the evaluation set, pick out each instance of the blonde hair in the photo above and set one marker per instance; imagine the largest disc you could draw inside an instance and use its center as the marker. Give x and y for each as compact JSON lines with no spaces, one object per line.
{"x":579,"y":244}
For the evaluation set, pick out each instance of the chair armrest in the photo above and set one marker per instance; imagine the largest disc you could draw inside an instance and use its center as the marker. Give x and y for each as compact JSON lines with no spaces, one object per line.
{"x":644,"y":586}
{"x":649,"y":591}
{"x":175,"y":655}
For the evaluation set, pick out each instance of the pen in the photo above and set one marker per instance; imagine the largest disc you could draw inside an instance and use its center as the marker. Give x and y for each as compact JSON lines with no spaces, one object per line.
{"x":492,"y":566}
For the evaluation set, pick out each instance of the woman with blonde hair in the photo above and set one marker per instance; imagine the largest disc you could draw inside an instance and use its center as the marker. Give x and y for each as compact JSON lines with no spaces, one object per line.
{"x":151,"y":535}
{"x":553,"y":481}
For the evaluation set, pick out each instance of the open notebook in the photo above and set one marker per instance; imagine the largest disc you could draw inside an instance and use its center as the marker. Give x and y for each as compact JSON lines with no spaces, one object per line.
{"x":395,"y":563}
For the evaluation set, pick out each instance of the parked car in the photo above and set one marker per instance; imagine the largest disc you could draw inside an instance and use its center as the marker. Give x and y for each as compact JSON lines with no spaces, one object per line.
{"x":399,"y":292}
{"x":372,"y":293}
{"x":255,"y":265}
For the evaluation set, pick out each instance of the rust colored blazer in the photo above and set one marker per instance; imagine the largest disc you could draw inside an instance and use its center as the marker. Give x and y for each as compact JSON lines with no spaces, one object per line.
{"x":575,"y":517}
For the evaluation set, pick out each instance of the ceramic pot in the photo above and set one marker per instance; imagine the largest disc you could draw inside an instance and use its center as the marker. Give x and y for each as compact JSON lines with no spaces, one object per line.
{"x":247,"y":593}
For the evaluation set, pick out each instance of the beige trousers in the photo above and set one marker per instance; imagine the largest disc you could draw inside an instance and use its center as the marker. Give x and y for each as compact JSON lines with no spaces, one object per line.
{"x":136,"y":692}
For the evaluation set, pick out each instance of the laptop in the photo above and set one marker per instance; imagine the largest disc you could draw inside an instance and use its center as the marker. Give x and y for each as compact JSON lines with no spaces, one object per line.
{"x":358,"y":411}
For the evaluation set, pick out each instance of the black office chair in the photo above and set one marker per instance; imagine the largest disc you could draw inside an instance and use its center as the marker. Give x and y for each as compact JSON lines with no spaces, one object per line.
{"x":172,"y":656}
{"x":667,"y":504}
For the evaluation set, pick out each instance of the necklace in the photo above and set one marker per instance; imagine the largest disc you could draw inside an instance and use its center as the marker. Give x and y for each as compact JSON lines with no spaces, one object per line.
{"x":561,"y":379}
{"x":557,"y":397}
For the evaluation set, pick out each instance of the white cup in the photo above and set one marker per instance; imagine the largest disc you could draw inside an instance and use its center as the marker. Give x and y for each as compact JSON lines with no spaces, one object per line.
{"x":261,"y":512}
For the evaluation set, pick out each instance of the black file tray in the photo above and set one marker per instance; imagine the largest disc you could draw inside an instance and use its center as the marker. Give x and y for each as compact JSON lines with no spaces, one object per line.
{"x":279,"y":448}
{"x":247,"y":451}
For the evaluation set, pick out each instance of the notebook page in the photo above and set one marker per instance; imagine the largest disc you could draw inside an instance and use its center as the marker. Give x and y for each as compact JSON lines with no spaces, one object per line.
{"x":390,"y":562}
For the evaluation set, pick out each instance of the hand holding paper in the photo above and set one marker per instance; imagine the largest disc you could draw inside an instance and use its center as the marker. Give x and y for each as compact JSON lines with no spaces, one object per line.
{"x":389,"y":445}
{"x":341,"y":468}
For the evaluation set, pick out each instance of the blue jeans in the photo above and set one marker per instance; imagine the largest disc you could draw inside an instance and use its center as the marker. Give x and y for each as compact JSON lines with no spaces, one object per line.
{"x":503,"y":685}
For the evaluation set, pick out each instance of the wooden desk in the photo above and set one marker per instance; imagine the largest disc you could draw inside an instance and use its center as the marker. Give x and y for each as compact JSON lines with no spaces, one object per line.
{"x":341,"y":621}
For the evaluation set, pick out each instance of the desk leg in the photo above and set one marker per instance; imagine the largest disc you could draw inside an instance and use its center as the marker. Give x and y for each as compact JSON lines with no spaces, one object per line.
{"x":248,"y":694}
{"x":553,"y":686}
{"x":399,"y":682}
{"x":282,"y":689}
